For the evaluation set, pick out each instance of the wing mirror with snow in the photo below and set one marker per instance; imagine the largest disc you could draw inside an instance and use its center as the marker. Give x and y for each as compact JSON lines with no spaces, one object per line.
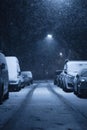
{"x":2,"y":66}
{"x":77,"y":76}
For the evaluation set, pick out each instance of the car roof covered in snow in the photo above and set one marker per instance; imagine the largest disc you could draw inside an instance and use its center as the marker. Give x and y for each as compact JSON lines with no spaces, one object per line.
{"x":12,"y":59}
{"x":28,"y":73}
{"x":73,"y":67}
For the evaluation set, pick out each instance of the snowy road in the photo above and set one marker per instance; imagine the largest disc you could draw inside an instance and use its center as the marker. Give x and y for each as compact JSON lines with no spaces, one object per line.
{"x":43,"y":106}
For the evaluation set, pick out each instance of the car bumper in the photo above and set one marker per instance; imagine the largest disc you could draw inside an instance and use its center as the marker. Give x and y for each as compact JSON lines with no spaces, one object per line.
{"x":14,"y":86}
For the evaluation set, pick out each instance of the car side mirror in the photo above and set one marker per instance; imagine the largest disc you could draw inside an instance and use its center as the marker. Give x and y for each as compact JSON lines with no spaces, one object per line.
{"x":65,"y":71}
{"x":19,"y":72}
{"x":2,"y":66}
{"x":77,"y":76}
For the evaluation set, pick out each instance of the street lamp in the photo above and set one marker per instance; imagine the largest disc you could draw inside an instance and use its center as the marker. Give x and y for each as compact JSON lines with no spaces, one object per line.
{"x":49,"y":36}
{"x":61,"y":54}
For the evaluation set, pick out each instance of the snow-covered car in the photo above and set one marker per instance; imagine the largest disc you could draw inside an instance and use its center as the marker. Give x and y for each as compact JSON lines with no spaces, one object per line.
{"x":56,"y":77}
{"x":71,"y":68}
{"x":14,"y":73}
{"x":28,"y":77}
{"x":4,"y":91}
{"x":80,"y":83}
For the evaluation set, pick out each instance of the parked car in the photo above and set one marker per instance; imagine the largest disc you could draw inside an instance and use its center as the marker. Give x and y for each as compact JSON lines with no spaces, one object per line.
{"x":71,"y":68}
{"x":56,"y":77}
{"x":4,"y":91}
{"x":28,"y":77}
{"x":22,"y":81}
{"x":80,"y":83}
{"x":14,"y":73}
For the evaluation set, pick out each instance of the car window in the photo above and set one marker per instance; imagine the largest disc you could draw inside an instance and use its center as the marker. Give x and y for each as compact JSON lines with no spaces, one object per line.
{"x":84,"y":74}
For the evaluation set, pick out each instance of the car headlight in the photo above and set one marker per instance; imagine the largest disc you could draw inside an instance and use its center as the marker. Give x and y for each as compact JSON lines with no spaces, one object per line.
{"x":82,"y":80}
{"x":71,"y":78}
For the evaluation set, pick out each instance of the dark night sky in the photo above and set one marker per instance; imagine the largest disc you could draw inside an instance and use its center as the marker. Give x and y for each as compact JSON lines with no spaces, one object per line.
{"x":24,"y":25}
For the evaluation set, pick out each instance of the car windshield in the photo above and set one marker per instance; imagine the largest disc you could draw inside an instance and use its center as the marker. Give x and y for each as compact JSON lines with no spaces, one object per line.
{"x":84,"y":74}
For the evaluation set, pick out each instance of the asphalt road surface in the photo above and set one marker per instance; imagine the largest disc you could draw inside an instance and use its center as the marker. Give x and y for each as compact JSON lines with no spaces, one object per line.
{"x":45,"y":108}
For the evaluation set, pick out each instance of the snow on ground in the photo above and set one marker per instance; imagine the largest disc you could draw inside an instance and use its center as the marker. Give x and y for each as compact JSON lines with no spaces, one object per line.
{"x":11,"y":105}
{"x":79,"y":104}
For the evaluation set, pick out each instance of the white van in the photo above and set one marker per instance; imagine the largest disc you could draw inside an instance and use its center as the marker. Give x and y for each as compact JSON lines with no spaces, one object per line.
{"x":71,"y":69}
{"x":4,"y":91}
{"x":14,"y":73}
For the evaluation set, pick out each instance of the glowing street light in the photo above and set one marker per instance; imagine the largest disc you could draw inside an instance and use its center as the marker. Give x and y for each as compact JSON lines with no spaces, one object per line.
{"x":61,"y":54}
{"x":49,"y":36}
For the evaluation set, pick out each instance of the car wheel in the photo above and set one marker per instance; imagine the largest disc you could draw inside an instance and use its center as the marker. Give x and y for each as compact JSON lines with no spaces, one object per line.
{"x":65,"y":89}
{"x":75,"y":92}
{"x":79,"y":94}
